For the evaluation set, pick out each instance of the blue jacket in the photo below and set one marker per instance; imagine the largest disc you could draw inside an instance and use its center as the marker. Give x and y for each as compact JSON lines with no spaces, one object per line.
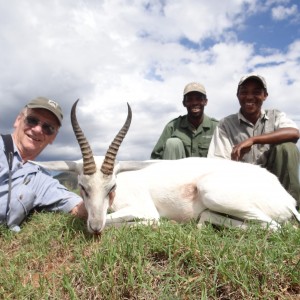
{"x":32,"y":188}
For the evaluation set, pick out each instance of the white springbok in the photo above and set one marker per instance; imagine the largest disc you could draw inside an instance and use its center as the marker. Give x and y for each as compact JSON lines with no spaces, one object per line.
{"x":180,"y":190}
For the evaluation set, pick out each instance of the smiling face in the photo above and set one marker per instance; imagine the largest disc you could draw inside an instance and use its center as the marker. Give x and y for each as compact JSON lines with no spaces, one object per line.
{"x":251,"y":95}
{"x":31,"y":139}
{"x":195,"y":103}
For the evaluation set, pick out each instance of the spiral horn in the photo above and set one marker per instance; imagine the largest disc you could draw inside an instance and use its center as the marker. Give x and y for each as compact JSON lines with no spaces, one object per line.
{"x":89,"y":166}
{"x":110,"y":156}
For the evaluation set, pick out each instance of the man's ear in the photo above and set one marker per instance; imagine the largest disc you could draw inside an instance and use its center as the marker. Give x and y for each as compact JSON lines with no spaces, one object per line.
{"x":183,"y":102}
{"x":266,"y":95}
{"x":18,"y":120}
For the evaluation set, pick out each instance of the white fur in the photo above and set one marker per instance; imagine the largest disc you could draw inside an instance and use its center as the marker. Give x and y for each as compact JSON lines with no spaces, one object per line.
{"x":182,"y":190}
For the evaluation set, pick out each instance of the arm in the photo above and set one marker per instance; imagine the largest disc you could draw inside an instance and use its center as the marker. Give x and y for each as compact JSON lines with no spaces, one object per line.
{"x":279,"y":136}
{"x":158,"y":149}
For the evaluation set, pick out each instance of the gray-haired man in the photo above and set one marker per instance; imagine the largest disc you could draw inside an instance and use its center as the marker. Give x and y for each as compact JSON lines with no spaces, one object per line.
{"x":29,"y":187}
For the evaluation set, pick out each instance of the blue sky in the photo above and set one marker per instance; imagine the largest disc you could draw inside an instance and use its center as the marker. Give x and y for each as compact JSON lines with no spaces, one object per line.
{"x":272,"y":28}
{"x":109,"y":52}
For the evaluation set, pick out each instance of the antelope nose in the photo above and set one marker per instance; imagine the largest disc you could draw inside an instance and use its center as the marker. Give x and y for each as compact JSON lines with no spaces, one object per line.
{"x":95,"y":228}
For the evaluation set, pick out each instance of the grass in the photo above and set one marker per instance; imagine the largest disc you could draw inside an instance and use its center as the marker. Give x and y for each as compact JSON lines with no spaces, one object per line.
{"x":53,"y":257}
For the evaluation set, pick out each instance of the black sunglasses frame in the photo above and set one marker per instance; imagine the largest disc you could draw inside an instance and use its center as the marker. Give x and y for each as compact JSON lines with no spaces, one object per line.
{"x":32,"y":121}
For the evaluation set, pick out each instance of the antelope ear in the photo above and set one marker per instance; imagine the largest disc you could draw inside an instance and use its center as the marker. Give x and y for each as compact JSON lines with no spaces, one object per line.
{"x":60,"y":165}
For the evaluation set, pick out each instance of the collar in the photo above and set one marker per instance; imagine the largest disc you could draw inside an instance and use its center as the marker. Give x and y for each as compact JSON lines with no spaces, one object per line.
{"x":263,"y":116}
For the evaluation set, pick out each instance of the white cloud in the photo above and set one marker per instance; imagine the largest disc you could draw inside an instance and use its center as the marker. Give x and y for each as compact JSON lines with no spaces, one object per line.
{"x":280,"y":12}
{"x":108,"y":53}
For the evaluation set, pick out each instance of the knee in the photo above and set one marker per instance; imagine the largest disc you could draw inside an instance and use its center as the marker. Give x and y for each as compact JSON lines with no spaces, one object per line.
{"x":173,"y":142}
{"x":287,"y":149}
{"x":174,"y":149}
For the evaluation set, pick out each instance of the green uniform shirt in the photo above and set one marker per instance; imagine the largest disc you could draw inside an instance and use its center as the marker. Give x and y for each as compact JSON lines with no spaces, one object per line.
{"x":196,"y":141}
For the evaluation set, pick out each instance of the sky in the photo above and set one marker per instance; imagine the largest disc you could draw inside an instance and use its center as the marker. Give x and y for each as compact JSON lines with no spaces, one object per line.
{"x":108,"y":53}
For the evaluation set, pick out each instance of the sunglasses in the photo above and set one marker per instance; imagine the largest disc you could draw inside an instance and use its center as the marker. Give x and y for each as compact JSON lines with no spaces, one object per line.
{"x":32,"y":121}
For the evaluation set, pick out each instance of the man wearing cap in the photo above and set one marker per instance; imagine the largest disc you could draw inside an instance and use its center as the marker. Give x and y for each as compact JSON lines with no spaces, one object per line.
{"x":263,"y":137}
{"x":30,"y":187}
{"x":187,"y":135}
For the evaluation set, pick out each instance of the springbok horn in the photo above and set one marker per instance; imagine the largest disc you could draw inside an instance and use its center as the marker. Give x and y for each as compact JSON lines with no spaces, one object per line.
{"x":110,"y":156}
{"x":89,"y":166}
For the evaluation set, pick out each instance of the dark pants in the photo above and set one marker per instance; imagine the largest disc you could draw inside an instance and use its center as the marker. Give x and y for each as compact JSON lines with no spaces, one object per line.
{"x":284,"y":162}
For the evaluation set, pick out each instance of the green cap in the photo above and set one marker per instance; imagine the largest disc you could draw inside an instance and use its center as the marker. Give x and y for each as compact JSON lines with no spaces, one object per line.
{"x":45,"y":103}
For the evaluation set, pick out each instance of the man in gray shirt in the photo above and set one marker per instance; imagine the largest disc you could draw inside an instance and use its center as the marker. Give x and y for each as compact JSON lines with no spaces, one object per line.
{"x":263,"y":137}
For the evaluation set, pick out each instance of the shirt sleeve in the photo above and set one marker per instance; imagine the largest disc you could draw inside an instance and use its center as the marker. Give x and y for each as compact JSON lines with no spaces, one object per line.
{"x":52,"y":196}
{"x":220,"y":145}
{"x":282,"y":121}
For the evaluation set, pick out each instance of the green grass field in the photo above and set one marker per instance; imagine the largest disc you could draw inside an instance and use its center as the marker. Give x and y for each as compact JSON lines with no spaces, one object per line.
{"x":53,"y":257}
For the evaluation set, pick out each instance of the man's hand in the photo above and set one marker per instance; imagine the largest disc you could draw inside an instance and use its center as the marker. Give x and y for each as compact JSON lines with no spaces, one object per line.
{"x":239,"y":150}
{"x":79,"y":211}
